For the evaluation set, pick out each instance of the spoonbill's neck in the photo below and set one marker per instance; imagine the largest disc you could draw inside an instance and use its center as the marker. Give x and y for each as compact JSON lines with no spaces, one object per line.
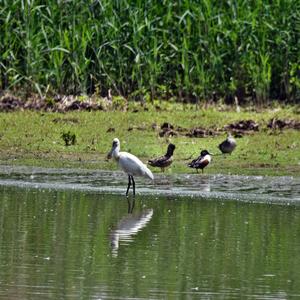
{"x":116,"y":153}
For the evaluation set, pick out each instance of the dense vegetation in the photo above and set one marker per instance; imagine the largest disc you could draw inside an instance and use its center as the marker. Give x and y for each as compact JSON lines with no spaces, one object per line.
{"x":188,"y":49}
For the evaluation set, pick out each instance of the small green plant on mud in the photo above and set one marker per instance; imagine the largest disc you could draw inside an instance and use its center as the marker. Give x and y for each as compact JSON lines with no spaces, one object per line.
{"x":69,"y":138}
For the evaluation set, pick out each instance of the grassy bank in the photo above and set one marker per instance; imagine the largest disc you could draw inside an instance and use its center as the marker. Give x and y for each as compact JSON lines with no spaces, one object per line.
{"x":188,"y":50}
{"x":34,"y":138}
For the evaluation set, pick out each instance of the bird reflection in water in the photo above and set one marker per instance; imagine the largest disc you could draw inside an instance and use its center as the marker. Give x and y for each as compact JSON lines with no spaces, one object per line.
{"x":129,"y":226}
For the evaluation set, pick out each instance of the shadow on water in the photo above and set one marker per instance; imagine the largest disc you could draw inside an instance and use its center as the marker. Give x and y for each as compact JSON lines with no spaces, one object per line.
{"x":129,"y":226}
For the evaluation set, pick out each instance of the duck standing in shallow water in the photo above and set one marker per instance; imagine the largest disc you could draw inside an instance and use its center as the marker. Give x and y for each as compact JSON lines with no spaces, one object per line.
{"x":165,"y":160}
{"x":201,"y":162}
{"x":130,"y":164}
{"x":228,"y":145}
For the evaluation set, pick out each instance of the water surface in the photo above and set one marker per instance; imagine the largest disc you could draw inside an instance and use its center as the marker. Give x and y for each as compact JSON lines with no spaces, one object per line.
{"x":284,"y":189}
{"x":77,"y":237}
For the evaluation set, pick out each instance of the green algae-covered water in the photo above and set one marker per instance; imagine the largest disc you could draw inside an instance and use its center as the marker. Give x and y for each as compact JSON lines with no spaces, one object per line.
{"x":62,"y":238}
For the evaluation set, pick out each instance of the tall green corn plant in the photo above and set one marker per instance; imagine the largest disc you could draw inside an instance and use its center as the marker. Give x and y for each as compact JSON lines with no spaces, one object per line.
{"x":31,"y":45}
{"x":285,"y":46}
{"x":10,"y":45}
{"x":6,"y":52}
{"x":185,"y":47}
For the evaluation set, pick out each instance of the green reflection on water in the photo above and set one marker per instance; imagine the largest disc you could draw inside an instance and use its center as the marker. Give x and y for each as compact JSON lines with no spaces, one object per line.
{"x":59,"y":244}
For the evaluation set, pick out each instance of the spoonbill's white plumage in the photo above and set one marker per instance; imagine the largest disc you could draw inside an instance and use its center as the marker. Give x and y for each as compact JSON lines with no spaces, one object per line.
{"x":130,"y":164}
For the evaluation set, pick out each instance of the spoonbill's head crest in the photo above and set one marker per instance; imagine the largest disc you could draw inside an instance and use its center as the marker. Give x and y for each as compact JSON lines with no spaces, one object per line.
{"x":115,"y":145}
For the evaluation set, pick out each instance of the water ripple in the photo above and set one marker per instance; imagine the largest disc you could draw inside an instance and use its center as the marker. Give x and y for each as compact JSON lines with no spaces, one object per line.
{"x":284,"y":189}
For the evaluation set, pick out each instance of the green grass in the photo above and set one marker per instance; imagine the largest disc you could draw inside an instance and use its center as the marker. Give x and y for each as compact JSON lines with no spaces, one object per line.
{"x":34,"y":138}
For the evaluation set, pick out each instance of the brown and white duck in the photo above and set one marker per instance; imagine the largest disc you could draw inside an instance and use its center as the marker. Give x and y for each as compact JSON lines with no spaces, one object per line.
{"x":202,"y":161}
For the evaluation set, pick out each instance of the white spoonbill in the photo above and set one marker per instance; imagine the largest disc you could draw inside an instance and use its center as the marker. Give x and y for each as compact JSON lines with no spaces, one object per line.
{"x":130,"y":164}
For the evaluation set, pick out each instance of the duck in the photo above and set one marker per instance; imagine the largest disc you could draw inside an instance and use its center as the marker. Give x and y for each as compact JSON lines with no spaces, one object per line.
{"x":228,"y":145}
{"x":130,"y":164}
{"x":202,"y":161}
{"x":165,"y":160}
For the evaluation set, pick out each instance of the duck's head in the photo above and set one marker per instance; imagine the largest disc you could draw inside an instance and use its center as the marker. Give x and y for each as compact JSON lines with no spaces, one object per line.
{"x":115,"y":148}
{"x":204,"y":152}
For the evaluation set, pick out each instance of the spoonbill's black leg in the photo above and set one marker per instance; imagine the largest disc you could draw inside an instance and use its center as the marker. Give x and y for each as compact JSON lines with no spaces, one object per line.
{"x":133,"y":186}
{"x":129,"y":183}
